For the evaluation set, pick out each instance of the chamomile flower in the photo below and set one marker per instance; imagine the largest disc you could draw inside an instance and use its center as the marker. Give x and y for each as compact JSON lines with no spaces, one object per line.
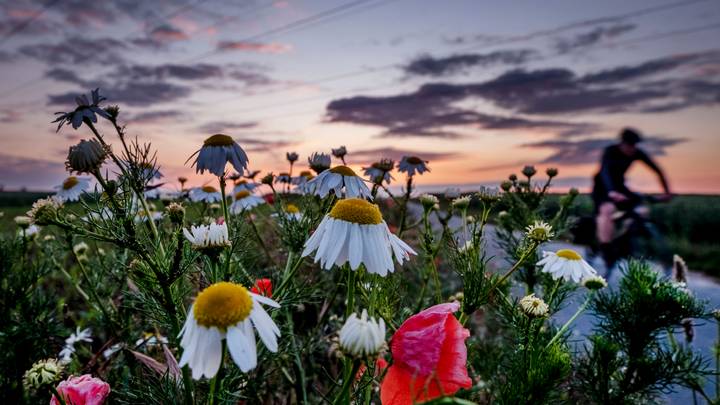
{"x":85,"y":110}
{"x":362,"y":336}
{"x":245,"y":200}
{"x":209,"y":239}
{"x":594,"y":282}
{"x":566,"y":263}
{"x":539,"y":231}
{"x":226,"y":311}
{"x":319,"y":162}
{"x":412,"y":165}
{"x":283,"y":178}
{"x":379,"y":172}
{"x":301,"y":182}
{"x":68,"y":350}
{"x":533,"y":306}
{"x":337,"y":179}
{"x":340,"y":152}
{"x":355,"y":233}
{"x":291,"y":211}
{"x":143,"y":216}
{"x":244,"y":185}
{"x":72,"y":188}
{"x":217,"y":151}
{"x":208,"y":194}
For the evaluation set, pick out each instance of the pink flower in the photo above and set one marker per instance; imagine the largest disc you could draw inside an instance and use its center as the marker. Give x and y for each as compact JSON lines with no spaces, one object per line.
{"x":429,"y":358}
{"x":83,"y":390}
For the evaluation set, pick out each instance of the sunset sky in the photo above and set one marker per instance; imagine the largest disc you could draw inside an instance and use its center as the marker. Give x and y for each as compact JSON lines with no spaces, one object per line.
{"x":478,"y":88}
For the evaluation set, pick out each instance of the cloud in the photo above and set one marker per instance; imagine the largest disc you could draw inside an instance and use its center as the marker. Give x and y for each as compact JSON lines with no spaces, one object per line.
{"x":217,"y":127}
{"x":429,"y":112}
{"x":366,"y":156}
{"x":245,"y":46}
{"x":75,"y":50}
{"x":427,"y":65}
{"x":37,"y":174}
{"x":135,"y":93}
{"x":589,"y":151}
{"x":199,"y":71}
{"x":168,"y":33}
{"x":653,"y":67}
{"x":593,"y":37}
{"x":148,"y":117}
{"x":251,"y":144}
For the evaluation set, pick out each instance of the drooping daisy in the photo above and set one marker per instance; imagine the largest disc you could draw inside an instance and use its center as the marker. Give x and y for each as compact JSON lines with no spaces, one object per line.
{"x":208,"y":194}
{"x":566,"y":263}
{"x":226,"y":311}
{"x":302,"y":180}
{"x":319,"y":162}
{"x":362,"y":336}
{"x":412,"y":165}
{"x":355,"y":233}
{"x":283,"y":178}
{"x":72,"y":188}
{"x":245,"y":200}
{"x":379,"y":172}
{"x":339,"y":153}
{"x":217,"y":151}
{"x":85,"y":110}
{"x":243,"y":184}
{"x":337,"y":179}
{"x":291,"y":211}
{"x":208,"y":238}
{"x":533,"y":306}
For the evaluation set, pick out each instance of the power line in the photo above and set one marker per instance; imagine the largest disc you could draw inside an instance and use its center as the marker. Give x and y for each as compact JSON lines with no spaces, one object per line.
{"x":21,"y":26}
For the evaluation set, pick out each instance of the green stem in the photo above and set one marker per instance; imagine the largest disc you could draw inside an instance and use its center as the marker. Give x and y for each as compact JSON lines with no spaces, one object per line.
{"x":288,"y":274}
{"x":567,"y":324}
{"x":216,"y":381}
{"x":260,"y":240}
{"x":345,"y":396}
{"x":717,"y":364}
{"x":520,"y":261}
{"x":403,"y":207}
{"x":57,"y":395}
{"x":350,"y":291}
{"x":300,"y":385}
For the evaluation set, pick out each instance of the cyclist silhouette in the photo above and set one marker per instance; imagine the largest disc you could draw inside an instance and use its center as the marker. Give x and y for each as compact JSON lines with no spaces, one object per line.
{"x":610,"y":193}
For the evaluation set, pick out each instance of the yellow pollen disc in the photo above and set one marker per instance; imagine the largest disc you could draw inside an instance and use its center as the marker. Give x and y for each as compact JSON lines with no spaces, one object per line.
{"x":221,"y":305}
{"x":70,"y":182}
{"x":292,"y":209}
{"x":414,"y":160}
{"x":209,"y":189}
{"x":219,"y":140}
{"x":242,"y":194}
{"x":568,"y":254}
{"x":357,"y":211}
{"x":344,"y":170}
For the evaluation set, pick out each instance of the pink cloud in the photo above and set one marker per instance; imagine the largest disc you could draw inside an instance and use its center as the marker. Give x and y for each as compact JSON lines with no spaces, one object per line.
{"x":272,"y":47}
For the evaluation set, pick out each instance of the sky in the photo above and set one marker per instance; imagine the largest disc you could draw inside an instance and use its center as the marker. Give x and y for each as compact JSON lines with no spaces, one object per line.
{"x":477,"y":88}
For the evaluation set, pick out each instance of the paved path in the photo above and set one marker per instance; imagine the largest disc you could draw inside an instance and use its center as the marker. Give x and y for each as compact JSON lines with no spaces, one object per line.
{"x":703,"y":287}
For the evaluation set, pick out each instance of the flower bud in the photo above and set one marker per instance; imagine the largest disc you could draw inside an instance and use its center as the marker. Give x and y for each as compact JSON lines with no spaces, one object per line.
{"x":594,"y":283}
{"x":512,"y":177}
{"x":551,"y":172}
{"x":461,"y":203}
{"x":506,"y":185}
{"x":42,"y":373}
{"x":292,"y":157}
{"x":539,"y":231}
{"x":45,"y":210}
{"x":428,"y":201}
{"x":86,"y":156}
{"x":362,"y":336}
{"x":268,"y":179}
{"x":529,"y":171}
{"x":176,"y":213}
{"x":533,"y":306}
{"x":22,"y":221}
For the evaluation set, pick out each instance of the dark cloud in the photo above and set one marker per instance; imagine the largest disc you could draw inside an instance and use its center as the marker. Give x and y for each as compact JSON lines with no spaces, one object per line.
{"x":199,"y":71}
{"x":427,"y":65}
{"x":587,"y":151}
{"x":168,"y":33}
{"x":66,"y":75}
{"x":136,"y":93}
{"x":216,"y":127}
{"x":653,"y":67}
{"x":366,"y":156}
{"x":35,"y":174}
{"x":148,"y":117}
{"x":75,"y":50}
{"x":593,"y":37}
{"x":259,"y":47}
{"x":251,"y":144}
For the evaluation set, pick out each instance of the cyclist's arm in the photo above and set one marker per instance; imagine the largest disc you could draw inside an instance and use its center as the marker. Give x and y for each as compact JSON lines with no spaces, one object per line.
{"x":605,"y":175}
{"x":654,"y":167}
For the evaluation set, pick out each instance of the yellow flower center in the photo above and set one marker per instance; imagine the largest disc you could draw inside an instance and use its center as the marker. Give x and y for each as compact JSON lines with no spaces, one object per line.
{"x":568,"y":254}
{"x":70,"y":182}
{"x":242,"y":194}
{"x":219,"y":140}
{"x":357,"y":211}
{"x":292,"y":209}
{"x":209,"y":189}
{"x":414,"y":160}
{"x":222,"y":304}
{"x":344,"y":170}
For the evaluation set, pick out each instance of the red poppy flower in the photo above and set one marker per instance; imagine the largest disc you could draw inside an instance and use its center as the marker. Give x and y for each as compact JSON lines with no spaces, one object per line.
{"x":263,"y":286}
{"x":269,"y":198}
{"x":429,"y":357}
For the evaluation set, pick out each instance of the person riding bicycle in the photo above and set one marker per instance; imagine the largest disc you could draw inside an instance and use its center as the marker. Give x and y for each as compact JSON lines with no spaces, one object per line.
{"x":610,"y":193}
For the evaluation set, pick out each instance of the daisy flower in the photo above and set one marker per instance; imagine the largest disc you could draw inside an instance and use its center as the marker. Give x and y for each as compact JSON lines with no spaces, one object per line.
{"x":291,"y":211}
{"x":539,"y":231}
{"x":412,"y":165}
{"x":292,"y":157}
{"x":594,"y":282}
{"x":355,"y":233}
{"x":302,"y":180}
{"x":72,"y":188}
{"x":208,"y":237}
{"x":283,"y":178}
{"x":142,"y":216}
{"x":216,"y":152}
{"x":566,"y":263}
{"x":245,"y":200}
{"x":362,"y":336}
{"x":208,"y":194}
{"x":336,"y":179}
{"x":319,"y":162}
{"x":226,"y":311}
{"x":339,"y":153}
{"x":429,"y":357}
{"x":241,"y":185}
{"x":380,"y":171}
{"x":85,"y":109}
{"x":68,"y":350}
{"x":533,"y":306}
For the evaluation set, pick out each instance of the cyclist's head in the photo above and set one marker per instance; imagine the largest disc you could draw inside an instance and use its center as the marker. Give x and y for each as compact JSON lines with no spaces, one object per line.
{"x":629,"y":138}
